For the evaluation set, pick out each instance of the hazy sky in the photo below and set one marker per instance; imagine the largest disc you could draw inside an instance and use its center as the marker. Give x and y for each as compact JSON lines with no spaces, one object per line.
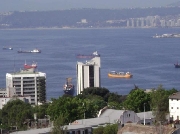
{"x":27,"y":5}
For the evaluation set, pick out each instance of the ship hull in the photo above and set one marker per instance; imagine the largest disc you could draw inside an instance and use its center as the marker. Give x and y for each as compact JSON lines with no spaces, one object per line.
{"x":177,"y":65}
{"x":27,"y":52}
{"x":114,"y":74}
{"x":69,"y":91}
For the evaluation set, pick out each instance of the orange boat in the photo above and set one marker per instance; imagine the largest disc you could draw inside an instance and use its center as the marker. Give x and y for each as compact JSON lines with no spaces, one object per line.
{"x":114,"y":74}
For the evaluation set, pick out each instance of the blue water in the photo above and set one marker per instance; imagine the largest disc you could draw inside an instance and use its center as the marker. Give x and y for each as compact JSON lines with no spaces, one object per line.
{"x":150,"y":60}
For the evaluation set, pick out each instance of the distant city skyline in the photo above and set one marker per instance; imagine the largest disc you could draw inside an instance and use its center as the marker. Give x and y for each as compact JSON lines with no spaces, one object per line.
{"x":43,"y":5}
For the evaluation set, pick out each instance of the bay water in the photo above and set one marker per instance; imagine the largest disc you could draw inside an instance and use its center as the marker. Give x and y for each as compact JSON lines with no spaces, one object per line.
{"x":150,"y":60}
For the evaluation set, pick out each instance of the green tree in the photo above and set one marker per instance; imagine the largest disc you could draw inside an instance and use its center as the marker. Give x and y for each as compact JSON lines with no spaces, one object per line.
{"x":15,"y":113}
{"x":99,"y":91}
{"x":136,"y":99}
{"x":111,"y":129}
{"x":115,"y":101}
{"x":160,"y":102}
{"x":58,"y":127}
{"x":41,"y":110}
{"x":98,"y":130}
{"x":71,"y":108}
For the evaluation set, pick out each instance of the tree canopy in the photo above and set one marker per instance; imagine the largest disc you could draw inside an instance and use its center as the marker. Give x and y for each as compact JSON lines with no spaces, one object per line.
{"x":15,"y":113}
{"x":136,"y":100}
{"x":160,"y":102}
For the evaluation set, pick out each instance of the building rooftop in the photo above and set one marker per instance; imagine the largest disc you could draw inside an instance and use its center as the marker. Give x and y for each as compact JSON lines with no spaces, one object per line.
{"x":175,"y":96}
{"x":148,"y":115}
{"x":25,"y":72}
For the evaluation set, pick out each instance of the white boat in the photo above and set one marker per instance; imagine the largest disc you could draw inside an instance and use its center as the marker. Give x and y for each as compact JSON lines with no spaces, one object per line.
{"x":7,"y":48}
{"x":174,"y":35}
{"x":36,"y":51}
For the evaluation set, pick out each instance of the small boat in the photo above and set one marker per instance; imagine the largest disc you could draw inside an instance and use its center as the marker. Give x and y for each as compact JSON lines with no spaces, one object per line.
{"x":114,"y":74}
{"x":94,"y":54}
{"x":32,"y":51}
{"x":177,"y":65}
{"x":33,"y":65}
{"x":35,"y":51}
{"x":68,"y":87}
{"x":7,"y":48}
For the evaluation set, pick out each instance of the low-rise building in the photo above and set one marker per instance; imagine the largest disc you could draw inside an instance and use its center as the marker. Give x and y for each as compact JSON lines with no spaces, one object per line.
{"x":174,"y":106}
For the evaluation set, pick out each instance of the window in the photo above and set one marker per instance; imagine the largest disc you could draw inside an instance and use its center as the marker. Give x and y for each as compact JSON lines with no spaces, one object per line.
{"x":171,"y":107}
{"x":171,"y":99}
{"x":177,"y":107}
{"x":177,"y":99}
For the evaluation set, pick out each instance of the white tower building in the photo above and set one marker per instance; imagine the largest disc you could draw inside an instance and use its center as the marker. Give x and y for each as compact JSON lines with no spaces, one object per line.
{"x":88,"y":74}
{"x":27,"y":83}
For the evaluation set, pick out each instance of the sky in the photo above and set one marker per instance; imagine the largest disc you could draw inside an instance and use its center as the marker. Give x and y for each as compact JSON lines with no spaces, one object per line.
{"x":43,"y":5}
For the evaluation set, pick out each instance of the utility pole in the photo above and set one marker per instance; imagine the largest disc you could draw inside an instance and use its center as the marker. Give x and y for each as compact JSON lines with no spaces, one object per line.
{"x":144,"y":114}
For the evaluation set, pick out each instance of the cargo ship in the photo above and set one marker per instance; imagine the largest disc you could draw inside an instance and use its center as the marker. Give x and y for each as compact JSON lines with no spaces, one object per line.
{"x":94,"y":54}
{"x":33,"y":65}
{"x":174,"y":35}
{"x":32,"y":51}
{"x":69,"y":87}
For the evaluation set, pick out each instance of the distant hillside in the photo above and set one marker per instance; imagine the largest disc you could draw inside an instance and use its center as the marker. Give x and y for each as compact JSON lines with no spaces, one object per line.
{"x":176,"y":4}
{"x":79,"y":17}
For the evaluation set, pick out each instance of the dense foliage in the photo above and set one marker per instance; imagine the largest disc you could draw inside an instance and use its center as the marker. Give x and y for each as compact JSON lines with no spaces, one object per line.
{"x":15,"y":114}
{"x":136,"y":101}
{"x":108,"y":129}
{"x":160,"y":102}
{"x":66,"y":109}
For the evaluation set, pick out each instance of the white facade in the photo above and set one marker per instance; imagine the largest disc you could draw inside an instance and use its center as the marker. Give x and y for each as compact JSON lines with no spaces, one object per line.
{"x":88,"y":74}
{"x":174,"y":106}
{"x":4,"y":100}
{"x":24,"y":83}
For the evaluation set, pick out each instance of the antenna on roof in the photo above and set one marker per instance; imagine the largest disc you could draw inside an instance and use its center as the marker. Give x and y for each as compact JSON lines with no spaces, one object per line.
{"x":14,"y":64}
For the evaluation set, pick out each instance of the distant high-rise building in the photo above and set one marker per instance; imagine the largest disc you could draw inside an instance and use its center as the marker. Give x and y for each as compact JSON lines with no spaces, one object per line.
{"x":142,"y":22}
{"x":83,"y":21}
{"x":88,"y":74}
{"x":132,"y":22}
{"x":127,"y":23}
{"x":27,"y":83}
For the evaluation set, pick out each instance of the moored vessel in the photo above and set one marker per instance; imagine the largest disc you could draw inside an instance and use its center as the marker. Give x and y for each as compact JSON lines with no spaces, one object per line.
{"x":94,"y":54}
{"x":69,"y":87}
{"x":27,"y":66}
{"x":177,"y":65}
{"x":32,"y":51}
{"x":7,"y":48}
{"x":114,"y":74}
{"x":174,"y":35}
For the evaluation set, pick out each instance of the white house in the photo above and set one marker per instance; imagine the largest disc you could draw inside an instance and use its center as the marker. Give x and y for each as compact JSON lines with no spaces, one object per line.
{"x":174,"y":106}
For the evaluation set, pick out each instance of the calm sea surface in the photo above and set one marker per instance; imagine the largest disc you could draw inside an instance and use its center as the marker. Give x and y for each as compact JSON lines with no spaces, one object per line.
{"x":150,"y":60}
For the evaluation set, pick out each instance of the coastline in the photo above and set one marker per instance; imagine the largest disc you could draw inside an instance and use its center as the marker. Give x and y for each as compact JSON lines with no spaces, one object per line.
{"x":70,"y":28}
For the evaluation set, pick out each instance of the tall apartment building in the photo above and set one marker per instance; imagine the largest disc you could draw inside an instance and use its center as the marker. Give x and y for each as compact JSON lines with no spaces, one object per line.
{"x":27,"y":83}
{"x":88,"y":74}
